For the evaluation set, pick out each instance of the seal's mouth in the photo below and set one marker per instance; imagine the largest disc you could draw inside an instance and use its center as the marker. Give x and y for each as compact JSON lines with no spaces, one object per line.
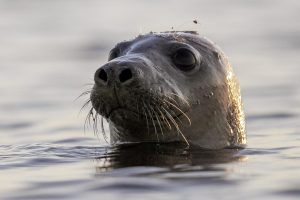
{"x":120,"y":109}
{"x":133,"y":113}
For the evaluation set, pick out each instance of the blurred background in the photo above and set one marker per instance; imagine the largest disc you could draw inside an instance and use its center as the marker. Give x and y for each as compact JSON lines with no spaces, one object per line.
{"x":49,"y":50}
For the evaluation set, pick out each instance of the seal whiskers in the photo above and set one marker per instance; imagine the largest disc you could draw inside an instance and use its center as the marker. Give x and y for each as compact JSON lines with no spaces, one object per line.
{"x":87,"y":121}
{"x":150,"y":115}
{"x":85,"y":105}
{"x":95,"y":125}
{"x":159,"y":122}
{"x":180,"y":97}
{"x":164,"y":118}
{"x":83,"y":94}
{"x":103,"y":130}
{"x":176,"y":126}
{"x":147,"y":122}
{"x":183,"y":113}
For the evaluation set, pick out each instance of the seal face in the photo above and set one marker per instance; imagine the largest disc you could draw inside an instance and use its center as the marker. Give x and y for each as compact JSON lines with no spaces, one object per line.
{"x":170,"y":87}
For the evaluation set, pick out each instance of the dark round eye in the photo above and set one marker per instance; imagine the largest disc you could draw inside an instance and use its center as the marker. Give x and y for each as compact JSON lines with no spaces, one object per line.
{"x":114,"y":53}
{"x":184,"y":59}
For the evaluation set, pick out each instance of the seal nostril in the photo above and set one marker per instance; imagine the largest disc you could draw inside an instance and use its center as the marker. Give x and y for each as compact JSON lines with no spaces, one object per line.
{"x":102,"y":75}
{"x":125,"y":75}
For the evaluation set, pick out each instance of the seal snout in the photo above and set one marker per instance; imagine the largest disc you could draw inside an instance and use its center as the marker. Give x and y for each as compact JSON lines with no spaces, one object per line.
{"x":114,"y":74}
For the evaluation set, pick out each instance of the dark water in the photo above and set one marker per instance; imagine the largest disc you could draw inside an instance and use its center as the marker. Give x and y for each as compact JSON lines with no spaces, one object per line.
{"x":49,"y":50}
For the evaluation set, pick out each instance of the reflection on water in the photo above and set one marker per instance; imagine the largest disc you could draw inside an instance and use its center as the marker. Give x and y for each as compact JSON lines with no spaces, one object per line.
{"x":50,"y":49}
{"x":163,"y":155}
{"x":156,"y":162}
{"x":61,"y":170}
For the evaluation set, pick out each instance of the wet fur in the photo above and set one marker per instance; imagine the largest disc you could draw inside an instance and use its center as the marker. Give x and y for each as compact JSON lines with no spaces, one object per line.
{"x":208,"y":115}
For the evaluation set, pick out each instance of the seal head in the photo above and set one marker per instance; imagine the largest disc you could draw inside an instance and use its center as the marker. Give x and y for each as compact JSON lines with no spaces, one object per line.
{"x":170,"y":87}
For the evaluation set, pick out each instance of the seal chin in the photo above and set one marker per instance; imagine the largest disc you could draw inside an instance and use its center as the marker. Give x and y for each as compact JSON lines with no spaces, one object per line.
{"x":123,"y":112}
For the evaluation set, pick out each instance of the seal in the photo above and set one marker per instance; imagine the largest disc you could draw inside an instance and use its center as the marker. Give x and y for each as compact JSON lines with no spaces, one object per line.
{"x":170,"y":87}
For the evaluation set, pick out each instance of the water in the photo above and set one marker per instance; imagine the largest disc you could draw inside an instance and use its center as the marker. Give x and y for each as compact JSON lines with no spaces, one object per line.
{"x":49,"y":50}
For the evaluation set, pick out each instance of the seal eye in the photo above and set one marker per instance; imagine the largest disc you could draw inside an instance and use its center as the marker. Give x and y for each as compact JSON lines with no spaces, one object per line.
{"x":184,"y":59}
{"x":114,"y":53}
